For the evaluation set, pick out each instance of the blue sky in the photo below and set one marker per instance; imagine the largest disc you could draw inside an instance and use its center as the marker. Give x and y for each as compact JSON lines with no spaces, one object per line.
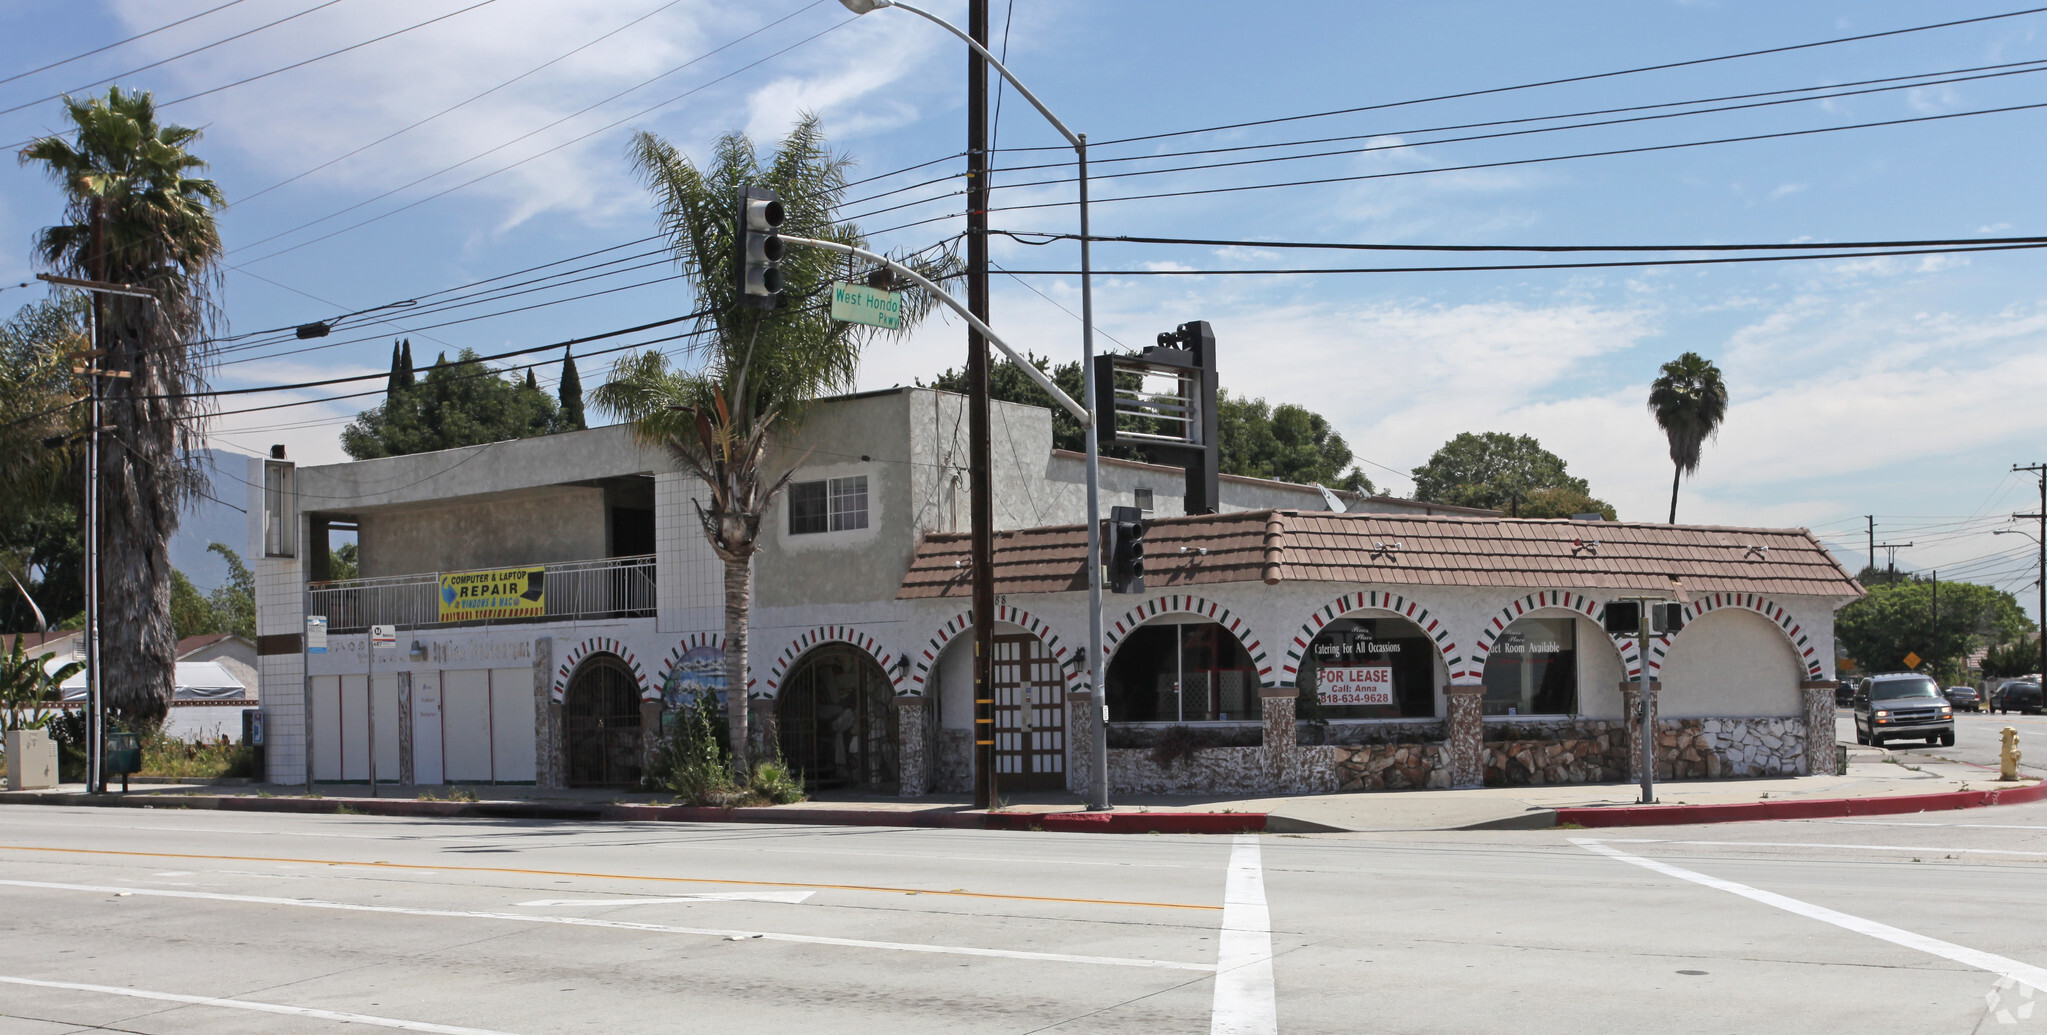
{"x":1904,"y":387}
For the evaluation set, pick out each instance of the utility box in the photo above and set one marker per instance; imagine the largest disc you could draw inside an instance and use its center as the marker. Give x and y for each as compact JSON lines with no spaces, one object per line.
{"x":31,"y":760}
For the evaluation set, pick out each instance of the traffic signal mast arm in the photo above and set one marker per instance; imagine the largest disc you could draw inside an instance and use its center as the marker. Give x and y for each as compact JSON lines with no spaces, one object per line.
{"x":1030,"y":370}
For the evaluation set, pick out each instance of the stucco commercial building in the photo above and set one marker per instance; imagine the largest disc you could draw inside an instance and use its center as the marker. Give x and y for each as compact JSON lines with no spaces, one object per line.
{"x":555,"y":599}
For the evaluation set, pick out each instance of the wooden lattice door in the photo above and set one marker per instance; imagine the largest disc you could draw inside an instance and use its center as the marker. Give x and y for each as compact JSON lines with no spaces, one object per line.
{"x":1030,"y":715}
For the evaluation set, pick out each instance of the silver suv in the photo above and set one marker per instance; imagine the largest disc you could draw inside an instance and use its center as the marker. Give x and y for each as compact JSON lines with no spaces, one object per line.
{"x":1902,"y":706}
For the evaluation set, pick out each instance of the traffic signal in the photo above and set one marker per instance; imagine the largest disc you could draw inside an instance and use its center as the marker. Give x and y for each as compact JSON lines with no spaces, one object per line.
{"x":757,"y":266}
{"x":1125,"y":550}
{"x":1624,"y":618}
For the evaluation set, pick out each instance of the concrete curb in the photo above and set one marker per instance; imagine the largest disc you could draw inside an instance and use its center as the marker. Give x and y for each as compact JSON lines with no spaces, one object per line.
{"x":1817,"y":808}
{"x":1068,"y":822}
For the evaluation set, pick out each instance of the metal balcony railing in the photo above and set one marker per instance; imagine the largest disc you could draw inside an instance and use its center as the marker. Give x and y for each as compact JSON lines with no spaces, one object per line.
{"x":618,"y":587}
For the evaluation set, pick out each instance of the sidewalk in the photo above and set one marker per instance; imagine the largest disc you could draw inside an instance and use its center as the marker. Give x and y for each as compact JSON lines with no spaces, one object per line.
{"x":1873,"y":785}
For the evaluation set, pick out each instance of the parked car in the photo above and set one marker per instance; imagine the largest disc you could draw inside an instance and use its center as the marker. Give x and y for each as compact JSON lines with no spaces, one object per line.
{"x":1902,"y":706}
{"x":1844,"y":692}
{"x":2016,"y":696}
{"x":1962,"y":697}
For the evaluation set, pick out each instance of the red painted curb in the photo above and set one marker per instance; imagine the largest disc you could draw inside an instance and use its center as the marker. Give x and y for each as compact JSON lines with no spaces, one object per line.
{"x":1130,"y":822}
{"x":1817,"y":808}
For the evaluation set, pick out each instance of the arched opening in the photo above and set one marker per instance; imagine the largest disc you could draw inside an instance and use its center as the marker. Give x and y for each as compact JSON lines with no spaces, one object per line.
{"x":1180,"y":672}
{"x":837,"y":724}
{"x":601,"y":723}
{"x":1370,"y":666}
{"x":1730,"y":662}
{"x":1532,"y":668}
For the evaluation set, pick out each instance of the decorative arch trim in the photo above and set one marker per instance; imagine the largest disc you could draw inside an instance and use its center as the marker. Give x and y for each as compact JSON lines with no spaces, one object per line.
{"x":1373,"y":600}
{"x":786,"y":659}
{"x":1589,"y":607}
{"x":1786,"y":623}
{"x":927,"y":655}
{"x":1176,"y":603}
{"x":693,"y":641}
{"x":582,"y":652}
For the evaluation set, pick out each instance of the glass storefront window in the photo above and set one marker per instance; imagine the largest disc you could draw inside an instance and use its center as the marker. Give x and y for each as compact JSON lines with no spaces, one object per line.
{"x":1370,"y":668}
{"x":1182,"y":673}
{"x":1533,"y":669}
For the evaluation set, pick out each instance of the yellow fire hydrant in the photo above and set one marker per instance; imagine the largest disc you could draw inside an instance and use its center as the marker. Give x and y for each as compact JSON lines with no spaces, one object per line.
{"x":2008,"y":759}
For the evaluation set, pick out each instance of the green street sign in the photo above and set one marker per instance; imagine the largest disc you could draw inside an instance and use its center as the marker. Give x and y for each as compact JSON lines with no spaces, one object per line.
{"x":858,"y":303}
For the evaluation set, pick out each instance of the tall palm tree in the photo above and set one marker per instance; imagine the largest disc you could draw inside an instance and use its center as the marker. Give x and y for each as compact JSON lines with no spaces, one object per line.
{"x":1689,"y":401}
{"x":755,"y":371}
{"x":135,"y":214}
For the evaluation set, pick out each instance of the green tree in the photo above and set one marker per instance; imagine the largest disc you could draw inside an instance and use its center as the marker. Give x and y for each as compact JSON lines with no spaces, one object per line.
{"x":1286,"y":443}
{"x":234,"y":602}
{"x":2017,"y":658}
{"x":191,"y":613}
{"x":1494,"y":471}
{"x":758,"y":370}
{"x":1899,"y":619}
{"x":1689,"y":401}
{"x":1561,"y":501}
{"x":135,"y":214}
{"x":455,"y":404}
{"x":571,"y":389}
{"x":345,"y":562}
{"x":41,"y":464}
{"x":29,"y":687}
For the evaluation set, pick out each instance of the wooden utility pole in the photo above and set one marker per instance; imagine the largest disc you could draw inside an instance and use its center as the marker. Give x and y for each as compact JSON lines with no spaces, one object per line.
{"x":979,"y":453}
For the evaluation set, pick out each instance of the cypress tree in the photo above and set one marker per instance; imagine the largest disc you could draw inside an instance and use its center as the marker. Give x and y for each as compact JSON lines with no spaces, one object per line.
{"x":391,"y":385}
{"x":405,"y":374}
{"x":531,"y":384}
{"x":571,"y":394}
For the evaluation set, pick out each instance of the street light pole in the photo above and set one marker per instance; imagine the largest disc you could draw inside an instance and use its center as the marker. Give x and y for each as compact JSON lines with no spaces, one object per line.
{"x":1098,"y":791}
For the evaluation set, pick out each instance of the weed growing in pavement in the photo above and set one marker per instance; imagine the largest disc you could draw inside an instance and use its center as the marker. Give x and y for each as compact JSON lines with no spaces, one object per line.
{"x":461,"y":794}
{"x":1560,"y":826}
{"x":345,"y":809}
{"x":165,"y":756}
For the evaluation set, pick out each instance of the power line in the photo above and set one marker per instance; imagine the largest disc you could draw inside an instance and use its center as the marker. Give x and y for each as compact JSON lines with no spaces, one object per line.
{"x":543,"y":129}
{"x":459,"y":104}
{"x":1355,"y":246}
{"x":154,"y":64}
{"x":1617,"y":264}
{"x":1232,"y":149}
{"x":1645,"y":149}
{"x":1503,"y":134}
{"x":122,"y":42}
{"x":1576,"y":78}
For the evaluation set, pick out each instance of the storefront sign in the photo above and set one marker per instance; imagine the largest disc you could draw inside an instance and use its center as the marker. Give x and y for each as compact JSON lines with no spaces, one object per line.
{"x":1355,"y":684}
{"x":858,"y":303}
{"x":495,"y":593}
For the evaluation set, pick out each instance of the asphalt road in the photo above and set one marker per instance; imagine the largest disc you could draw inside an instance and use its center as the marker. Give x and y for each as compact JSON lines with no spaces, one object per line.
{"x":1978,"y":739}
{"x":185,"y":921}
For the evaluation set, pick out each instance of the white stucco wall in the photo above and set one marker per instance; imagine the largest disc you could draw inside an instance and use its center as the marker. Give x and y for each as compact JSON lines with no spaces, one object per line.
{"x":1730,"y":662}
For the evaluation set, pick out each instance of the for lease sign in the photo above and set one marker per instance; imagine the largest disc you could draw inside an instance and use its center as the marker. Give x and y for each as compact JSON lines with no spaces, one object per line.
{"x":1356,"y":684}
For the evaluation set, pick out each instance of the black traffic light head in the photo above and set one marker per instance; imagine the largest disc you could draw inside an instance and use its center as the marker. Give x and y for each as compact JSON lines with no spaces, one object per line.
{"x":1124,"y":550}
{"x":1624,"y":618}
{"x":756,"y":267}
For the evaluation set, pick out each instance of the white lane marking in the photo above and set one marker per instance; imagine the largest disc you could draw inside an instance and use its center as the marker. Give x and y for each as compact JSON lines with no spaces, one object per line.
{"x":622,"y":925}
{"x":1244,"y":1000}
{"x":709,"y":896}
{"x":1902,"y":823}
{"x":1927,"y":849}
{"x":245,"y":1004}
{"x":2024,"y":973}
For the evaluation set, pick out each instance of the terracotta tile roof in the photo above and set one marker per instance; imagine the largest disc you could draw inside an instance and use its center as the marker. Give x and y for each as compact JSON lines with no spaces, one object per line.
{"x":1516,"y":553}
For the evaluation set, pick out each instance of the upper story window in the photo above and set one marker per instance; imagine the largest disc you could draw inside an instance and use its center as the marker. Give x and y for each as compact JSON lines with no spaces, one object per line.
{"x":828,"y":505}
{"x":1144,"y":500}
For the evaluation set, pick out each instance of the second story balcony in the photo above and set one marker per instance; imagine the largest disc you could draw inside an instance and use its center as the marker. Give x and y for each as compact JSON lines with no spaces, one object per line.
{"x":616,"y":587}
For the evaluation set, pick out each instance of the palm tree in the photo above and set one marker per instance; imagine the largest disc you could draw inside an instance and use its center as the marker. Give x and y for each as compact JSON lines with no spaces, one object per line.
{"x":1689,"y":401}
{"x":135,"y":214}
{"x":756,"y":370}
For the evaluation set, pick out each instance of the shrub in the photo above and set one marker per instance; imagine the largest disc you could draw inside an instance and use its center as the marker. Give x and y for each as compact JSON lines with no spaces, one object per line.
{"x":695,"y":764}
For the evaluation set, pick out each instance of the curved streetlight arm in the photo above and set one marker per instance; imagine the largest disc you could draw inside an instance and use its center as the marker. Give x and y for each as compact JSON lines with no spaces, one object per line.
{"x":1030,"y":370}
{"x":2015,"y":531}
{"x":864,"y":6}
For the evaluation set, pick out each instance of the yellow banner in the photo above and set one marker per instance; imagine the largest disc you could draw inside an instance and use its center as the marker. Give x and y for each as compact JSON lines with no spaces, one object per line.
{"x":493,"y":593}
